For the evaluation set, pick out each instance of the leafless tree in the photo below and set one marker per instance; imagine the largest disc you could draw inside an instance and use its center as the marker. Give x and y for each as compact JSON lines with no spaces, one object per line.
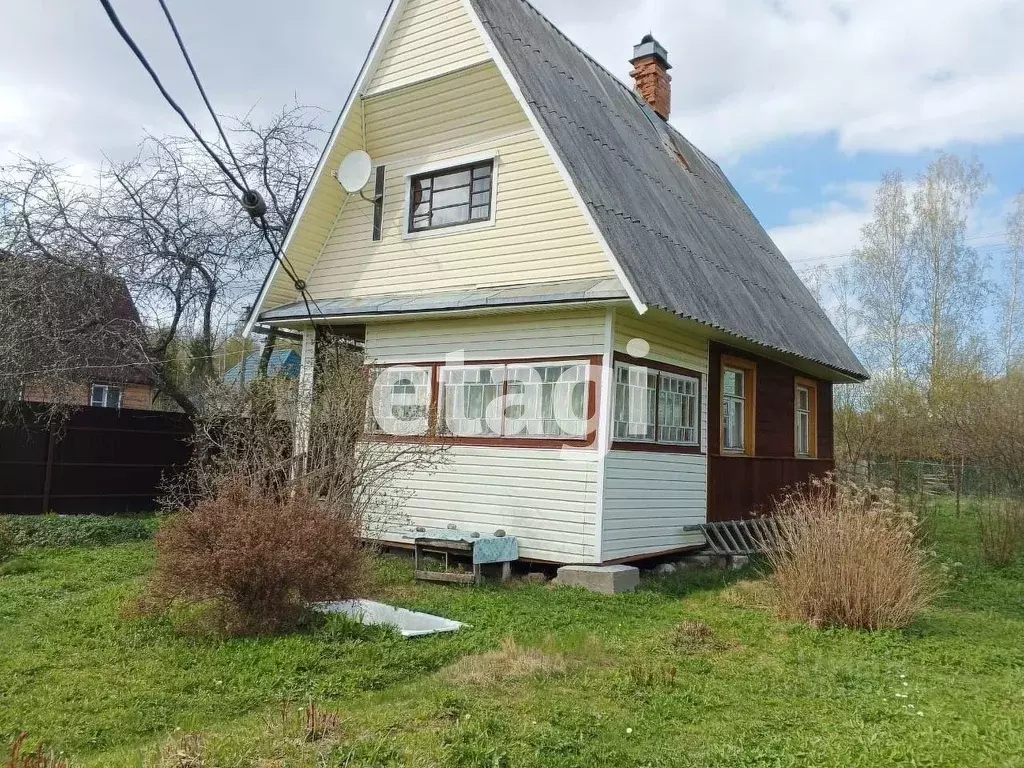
{"x":166,"y":223}
{"x":883,"y":273}
{"x":950,"y":274}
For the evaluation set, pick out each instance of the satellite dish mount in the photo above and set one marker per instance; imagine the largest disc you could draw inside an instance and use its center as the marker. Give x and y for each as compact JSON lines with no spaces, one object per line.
{"x":354,"y":173}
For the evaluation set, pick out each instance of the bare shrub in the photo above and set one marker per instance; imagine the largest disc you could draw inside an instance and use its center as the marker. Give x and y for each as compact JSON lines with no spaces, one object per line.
{"x":1001,"y":525}
{"x":269,"y":523}
{"x":186,"y":751}
{"x":258,"y":561}
{"x":309,"y":724}
{"x":512,"y":662}
{"x":848,"y":557}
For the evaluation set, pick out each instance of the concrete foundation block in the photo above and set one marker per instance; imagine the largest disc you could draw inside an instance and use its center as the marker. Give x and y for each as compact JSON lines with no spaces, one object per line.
{"x":605,"y":579}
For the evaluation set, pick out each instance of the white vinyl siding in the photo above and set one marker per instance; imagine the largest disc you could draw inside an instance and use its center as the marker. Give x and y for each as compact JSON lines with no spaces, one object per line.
{"x":546,"y":498}
{"x":431,"y":37}
{"x":648,"y":498}
{"x":667,"y":339}
{"x":556,"y":334}
{"x":538,"y":234}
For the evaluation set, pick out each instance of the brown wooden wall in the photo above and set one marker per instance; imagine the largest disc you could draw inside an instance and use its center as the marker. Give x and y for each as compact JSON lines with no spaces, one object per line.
{"x":137,"y":397}
{"x":739,"y":486}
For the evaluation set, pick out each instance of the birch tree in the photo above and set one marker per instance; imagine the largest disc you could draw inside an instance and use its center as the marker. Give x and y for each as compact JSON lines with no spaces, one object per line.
{"x":883,"y":275}
{"x":1011,"y":293}
{"x":950,"y":274}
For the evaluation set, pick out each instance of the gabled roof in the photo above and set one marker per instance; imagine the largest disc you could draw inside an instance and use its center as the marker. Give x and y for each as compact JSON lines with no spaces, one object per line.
{"x":283,"y":363}
{"x":683,"y":236}
{"x":86,"y":321}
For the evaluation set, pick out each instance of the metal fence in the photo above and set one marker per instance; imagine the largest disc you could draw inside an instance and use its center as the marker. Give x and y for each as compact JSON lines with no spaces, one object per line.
{"x":100,"y":461}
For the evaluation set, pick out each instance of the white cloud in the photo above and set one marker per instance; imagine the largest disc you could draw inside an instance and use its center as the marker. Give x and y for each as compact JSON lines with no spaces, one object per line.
{"x":889,"y":76}
{"x":825,"y":234}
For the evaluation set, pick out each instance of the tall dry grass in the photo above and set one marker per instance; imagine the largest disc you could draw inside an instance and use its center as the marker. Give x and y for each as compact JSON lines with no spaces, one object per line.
{"x":1001,"y":526}
{"x":849,"y":557}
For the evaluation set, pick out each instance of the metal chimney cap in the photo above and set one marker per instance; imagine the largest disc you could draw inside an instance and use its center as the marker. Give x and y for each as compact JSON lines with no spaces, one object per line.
{"x":650,"y":47}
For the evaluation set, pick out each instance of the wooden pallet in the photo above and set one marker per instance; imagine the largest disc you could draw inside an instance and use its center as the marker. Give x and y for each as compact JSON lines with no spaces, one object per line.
{"x":447,"y":547}
{"x":739,"y":537}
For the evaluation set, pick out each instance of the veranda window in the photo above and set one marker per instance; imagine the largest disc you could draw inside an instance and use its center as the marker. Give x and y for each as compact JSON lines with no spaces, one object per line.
{"x":400,"y":401}
{"x":653,"y":406}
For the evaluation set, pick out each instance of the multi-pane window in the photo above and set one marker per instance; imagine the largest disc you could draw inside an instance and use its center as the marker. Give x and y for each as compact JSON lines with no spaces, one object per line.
{"x":677,"y":409}
{"x":451,"y":197}
{"x":472,"y":400}
{"x":105,"y":396}
{"x":537,"y":400}
{"x":547,"y":400}
{"x":734,"y":409}
{"x":400,"y":401}
{"x":806,"y":403}
{"x":655,"y":406}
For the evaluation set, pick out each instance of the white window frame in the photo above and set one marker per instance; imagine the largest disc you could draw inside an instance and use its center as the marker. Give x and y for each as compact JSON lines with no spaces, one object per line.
{"x":107,"y":389}
{"x":503,"y":400}
{"x":441,"y":165}
{"x":742,"y":400}
{"x":373,"y":425}
{"x":696,"y":409}
{"x":811,"y":412}
{"x":657,"y":426}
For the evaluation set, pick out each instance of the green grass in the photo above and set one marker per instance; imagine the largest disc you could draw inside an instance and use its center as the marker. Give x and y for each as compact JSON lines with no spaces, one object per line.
{"x":110,"y":691}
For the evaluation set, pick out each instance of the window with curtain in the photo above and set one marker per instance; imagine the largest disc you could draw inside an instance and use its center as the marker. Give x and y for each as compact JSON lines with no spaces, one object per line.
{"x":400,"y":401}
{"x":653,"y":406}
{"x":535,"y":400}
{"x":451,"y":197}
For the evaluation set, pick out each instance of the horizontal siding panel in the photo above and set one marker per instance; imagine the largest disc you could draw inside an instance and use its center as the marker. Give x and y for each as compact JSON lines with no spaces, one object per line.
{"x":539,"y":233}
{"x":562,"y":333}
{"x":483,"y":489}
{"x":648,"y":499}
{"x":431,"y":37}
{"x":667,"y":343}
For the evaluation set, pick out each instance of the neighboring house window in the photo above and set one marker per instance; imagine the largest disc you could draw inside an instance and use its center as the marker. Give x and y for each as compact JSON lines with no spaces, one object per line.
{"x":451,"y":197}
{"x":806,"y":401}
{"x":738,"y":380}
{"x":106,"y":396}
{"x":654,"y":406}
{"x":522,"y":400}
{"x":400,"y":401}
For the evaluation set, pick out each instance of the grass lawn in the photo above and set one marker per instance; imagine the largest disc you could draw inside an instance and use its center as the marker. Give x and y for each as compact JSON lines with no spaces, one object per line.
{"x":603,"y":681}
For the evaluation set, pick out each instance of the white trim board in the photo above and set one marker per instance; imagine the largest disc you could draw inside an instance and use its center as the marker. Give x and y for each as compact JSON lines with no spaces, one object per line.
{"x":383,"y":37}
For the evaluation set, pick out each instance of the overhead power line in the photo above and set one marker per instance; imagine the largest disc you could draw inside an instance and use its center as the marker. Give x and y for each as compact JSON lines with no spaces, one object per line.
{"x":251,"y":201}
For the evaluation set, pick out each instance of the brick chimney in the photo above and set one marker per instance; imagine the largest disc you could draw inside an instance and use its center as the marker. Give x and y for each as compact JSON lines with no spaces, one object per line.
{"x":650,"y":73}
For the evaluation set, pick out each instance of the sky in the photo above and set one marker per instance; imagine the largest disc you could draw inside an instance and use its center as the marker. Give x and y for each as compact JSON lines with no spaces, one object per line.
{"x":804,"y":103}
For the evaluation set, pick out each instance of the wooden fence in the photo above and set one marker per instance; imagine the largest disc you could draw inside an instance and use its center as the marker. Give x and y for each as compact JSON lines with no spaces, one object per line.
{"x":101,"y":461}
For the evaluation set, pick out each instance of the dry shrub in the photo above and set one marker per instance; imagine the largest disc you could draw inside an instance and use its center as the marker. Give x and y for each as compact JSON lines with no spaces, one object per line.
{"x":308,"y":724}
{"x":256,"y":560}
{"x":186,"y":751}
{"x":21,"y":756}
{"x":847,"y":557}
{"x":1001,"y":525}
{"x":512,"y":662}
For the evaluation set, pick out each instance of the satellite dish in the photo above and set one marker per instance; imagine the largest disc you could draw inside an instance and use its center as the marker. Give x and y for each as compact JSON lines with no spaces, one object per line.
{"x":354,"y":171}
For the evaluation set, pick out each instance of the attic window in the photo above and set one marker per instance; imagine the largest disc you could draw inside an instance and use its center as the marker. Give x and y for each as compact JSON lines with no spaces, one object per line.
{"x":452,"y":196}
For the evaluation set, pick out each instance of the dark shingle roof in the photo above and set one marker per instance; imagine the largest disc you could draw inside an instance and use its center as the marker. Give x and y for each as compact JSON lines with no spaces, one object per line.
{"x":684,"y":238}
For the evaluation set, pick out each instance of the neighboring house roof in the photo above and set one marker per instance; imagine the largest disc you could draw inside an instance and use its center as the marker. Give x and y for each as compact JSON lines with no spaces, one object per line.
{"x":86,"y":319}
{"x":683,"y":236}
{"x":534,"y":294}
{"x":284,"y":363}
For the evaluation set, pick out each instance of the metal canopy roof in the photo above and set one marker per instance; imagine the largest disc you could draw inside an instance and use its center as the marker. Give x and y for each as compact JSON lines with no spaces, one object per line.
{"x":540,"y":294}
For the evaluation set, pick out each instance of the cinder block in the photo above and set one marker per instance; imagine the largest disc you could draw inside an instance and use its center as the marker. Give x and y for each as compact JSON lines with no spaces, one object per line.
{"x":605,"y":579}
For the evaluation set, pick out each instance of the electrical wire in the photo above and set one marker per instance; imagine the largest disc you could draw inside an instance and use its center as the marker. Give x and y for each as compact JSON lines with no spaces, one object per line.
{"x":251,"y":201}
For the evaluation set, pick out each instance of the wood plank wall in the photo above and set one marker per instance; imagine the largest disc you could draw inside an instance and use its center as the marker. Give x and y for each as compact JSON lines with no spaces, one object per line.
{"x":739,"y":486}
